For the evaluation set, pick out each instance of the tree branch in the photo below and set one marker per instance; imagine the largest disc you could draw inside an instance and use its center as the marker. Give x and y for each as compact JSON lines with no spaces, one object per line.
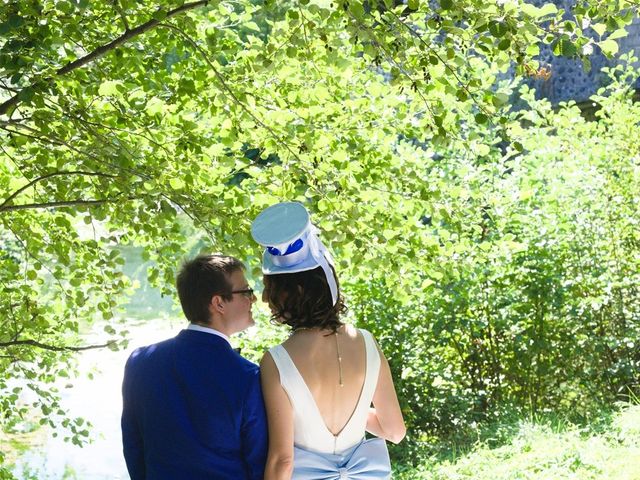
{"x":44,"y":264}
{"x":118,"y":7}
{"x":68,"y":203}
{"x":64,"y":111}
{"x":54,"y":348}
{"x":44,"y":177}
{"x":60,"y":142}
{"x":103,"y":49}
{"x":3,"y":85}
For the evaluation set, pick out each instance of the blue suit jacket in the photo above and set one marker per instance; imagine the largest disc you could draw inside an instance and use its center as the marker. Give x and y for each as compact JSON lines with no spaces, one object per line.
{"x":193,"y":409}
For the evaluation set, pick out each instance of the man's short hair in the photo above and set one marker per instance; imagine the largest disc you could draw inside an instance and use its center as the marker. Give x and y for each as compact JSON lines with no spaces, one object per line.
{"x":200,"y":279}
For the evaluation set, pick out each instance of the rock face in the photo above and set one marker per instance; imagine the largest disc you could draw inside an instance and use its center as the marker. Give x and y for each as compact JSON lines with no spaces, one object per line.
{"x":568,"y":80}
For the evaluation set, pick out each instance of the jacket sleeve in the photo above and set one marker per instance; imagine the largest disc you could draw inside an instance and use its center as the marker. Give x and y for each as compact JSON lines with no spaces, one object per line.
{"x":132,"y":443}
{"x":254,"y":432}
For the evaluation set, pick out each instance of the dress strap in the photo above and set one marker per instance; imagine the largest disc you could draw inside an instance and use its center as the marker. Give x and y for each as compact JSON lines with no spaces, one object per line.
{"x":283,"y":363}
{"x":373,"y":367}
{"x":293,"y":384}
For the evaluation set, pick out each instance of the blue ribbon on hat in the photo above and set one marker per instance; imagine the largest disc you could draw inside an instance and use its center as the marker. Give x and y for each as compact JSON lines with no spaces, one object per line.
{"x":369,"y":460}
{"x":292,"y":248}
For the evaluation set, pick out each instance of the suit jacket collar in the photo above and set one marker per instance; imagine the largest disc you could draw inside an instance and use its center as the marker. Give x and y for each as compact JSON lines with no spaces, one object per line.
{"x":204,"y":338}
{"x":209,"y":330}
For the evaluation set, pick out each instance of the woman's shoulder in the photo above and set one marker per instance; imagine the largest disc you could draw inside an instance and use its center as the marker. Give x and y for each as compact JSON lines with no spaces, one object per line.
{"x":353,"y":331}
{"x":275,"y":353}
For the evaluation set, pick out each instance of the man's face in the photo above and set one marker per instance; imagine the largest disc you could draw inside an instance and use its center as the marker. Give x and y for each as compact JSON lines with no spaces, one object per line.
{"x":238,"y":313}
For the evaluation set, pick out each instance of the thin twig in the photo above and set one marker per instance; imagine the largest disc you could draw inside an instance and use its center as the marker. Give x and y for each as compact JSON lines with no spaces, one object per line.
{"x":35,"y":257}
{"x":110,"y":128}
{"x":118,"y":7}
{"x":446,"y":65}
{"x":228,"y":89}
{"x":3,"y":85}
{"x":60,"y":204}
{"x":49,"y":175}
{"x":54,"y":348}
{"x":284,"y":42}
{"x":15,"y":161}
{"x":60,"y":142}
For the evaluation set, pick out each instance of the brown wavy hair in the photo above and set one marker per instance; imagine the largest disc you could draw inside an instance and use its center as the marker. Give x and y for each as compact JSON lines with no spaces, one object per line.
{"x":303,"y":300}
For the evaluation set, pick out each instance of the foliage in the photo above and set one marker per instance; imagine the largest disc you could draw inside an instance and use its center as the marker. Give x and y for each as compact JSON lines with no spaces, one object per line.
{"x":531,"y":303}
{"x":543,"y":448}
{"x":162,"y":123}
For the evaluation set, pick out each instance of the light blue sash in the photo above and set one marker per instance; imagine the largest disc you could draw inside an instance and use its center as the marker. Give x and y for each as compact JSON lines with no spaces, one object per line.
{"x":368,"y":460}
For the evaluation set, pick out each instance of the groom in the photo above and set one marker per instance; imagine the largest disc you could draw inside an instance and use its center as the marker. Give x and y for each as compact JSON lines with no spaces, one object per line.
{"x":192,"y":406}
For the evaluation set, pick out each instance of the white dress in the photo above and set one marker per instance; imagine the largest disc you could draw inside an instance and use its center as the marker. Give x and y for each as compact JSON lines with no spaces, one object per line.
{"x":315,"y":443}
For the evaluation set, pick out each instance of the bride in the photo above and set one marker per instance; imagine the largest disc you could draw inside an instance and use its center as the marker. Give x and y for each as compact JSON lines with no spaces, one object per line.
{"x":319,"y":385}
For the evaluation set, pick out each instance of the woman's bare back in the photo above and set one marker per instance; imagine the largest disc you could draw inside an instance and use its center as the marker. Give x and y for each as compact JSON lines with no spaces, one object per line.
{"x":315,"y":355}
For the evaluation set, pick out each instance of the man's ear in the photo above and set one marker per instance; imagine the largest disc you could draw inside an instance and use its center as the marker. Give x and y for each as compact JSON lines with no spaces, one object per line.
{"x":216,"y":304}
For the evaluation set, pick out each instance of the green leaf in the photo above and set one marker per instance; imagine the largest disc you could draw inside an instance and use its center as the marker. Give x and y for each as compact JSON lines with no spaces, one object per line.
{"x":216,"y":150}
{"x":155,"y":106}
{"x":27,"y":94}
{"x":609,"y":47}
{"x":481,"y":149}
{"x":499,"y":99}
{"x":599,"y":28}
{"x":176,"y":183}
{"x":109,"y":87}
{"x":565,"y":48}
{"x":14,"y":21}
{"x":251,"y":26}
{"x":426,"y":283}
{"x":446,"y":4}
{"x":389,"y":234}
{"x":159,"y":15}
{"x":504,"y":44}
{"x":531,"y":10}
{"x":617,"y":34}
{"x":357,"y":9}
{"x":462,"y":95}
{"x":548,"y":9}
{"x":533,"y":50}
{"x":498,"y":29}
{"x":481,"y":118}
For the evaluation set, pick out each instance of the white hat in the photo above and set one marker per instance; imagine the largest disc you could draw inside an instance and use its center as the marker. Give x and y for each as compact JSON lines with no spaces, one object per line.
{"x":291,"y":242}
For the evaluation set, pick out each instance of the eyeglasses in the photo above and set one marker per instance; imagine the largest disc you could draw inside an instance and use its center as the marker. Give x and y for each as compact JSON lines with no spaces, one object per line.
{"x":247,"y":292}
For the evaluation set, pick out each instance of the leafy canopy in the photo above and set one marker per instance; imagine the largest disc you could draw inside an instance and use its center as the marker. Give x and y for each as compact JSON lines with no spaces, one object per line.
{"x":157,"y":123}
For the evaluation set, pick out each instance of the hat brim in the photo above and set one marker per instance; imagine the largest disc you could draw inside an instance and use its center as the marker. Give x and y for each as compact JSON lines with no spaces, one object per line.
{"x":270,"y":268}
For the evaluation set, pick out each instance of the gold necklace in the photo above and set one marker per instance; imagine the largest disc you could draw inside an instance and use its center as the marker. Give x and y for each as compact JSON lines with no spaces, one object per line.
{"x":340,"y":379}
{"x":341,"y":383}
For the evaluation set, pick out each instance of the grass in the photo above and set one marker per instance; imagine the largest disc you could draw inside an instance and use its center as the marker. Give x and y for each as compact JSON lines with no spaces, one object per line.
{"x":609,"y":450}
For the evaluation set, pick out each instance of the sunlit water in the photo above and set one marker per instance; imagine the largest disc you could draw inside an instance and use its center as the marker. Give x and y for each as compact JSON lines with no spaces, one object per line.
{"x":151,"y":318}
{"x":99,"y":401}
